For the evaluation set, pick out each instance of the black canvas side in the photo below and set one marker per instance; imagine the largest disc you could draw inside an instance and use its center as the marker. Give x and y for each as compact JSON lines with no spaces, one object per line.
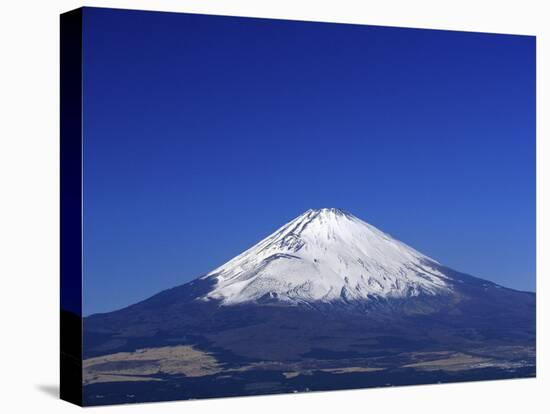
{"x":71,"y":206}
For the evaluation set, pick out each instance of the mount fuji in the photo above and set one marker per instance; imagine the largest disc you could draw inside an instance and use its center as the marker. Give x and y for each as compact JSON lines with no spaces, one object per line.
{"x":326,"y":291}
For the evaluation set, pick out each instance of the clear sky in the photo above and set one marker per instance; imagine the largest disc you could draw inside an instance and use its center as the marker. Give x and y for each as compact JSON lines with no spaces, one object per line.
{"x":204,"y":134}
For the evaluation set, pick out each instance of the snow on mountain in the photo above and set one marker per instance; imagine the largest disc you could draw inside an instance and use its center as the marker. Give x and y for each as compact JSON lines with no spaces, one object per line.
{"x":326,"y":255}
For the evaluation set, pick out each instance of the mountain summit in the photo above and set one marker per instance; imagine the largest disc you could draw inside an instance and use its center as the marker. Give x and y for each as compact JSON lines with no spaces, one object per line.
{"x":326,"y":255}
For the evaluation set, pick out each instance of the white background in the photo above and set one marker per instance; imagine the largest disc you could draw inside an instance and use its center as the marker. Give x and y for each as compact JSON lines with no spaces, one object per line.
{"x":29,"y":265}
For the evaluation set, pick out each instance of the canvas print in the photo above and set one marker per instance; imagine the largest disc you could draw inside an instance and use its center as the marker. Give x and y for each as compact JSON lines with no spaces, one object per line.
{"x":258,"y":206}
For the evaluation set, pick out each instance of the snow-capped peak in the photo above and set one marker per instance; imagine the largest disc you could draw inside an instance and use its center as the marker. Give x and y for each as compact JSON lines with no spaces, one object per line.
{"x":326,"y":255}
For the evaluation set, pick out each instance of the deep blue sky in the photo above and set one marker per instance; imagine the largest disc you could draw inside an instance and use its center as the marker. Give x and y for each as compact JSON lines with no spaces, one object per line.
{"x":204,"y":134}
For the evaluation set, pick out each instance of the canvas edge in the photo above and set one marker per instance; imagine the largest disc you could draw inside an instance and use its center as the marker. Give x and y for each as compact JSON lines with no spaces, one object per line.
{"x":71,"y":206}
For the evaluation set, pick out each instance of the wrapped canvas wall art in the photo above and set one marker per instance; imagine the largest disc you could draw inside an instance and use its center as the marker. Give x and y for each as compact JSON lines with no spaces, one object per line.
{"x":257,"y":206}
